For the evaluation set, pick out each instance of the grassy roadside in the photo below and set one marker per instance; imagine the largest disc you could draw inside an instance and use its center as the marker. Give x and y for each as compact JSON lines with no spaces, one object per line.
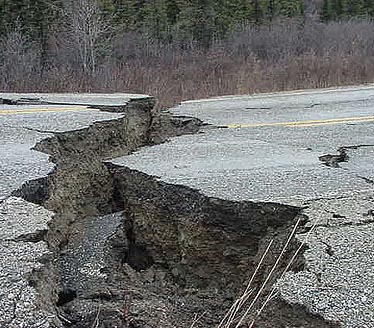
{"x":286,"y":55}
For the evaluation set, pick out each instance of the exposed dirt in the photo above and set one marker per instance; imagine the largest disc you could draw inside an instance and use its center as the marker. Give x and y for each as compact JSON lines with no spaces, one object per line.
{"x":341,"y":157}
{"x":334,"y":160}
{"x":131,"y":251}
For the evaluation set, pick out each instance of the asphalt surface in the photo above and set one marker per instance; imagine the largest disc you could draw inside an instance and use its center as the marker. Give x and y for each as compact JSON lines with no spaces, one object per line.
{"x":271,"y":162}
{"x":23,"y":125}
{"x":259,"y":148}
{"x":29,"y":120}
{"x":19,"y":261}
{"x":267,"y":148}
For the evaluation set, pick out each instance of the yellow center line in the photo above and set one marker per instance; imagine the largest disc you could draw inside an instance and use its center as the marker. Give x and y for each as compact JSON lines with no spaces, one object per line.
{"x":306,"y":123}
{"x":42,"y":110}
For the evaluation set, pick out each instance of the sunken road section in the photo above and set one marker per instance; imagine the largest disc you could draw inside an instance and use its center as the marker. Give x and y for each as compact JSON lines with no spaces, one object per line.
{"x":98,"y":245}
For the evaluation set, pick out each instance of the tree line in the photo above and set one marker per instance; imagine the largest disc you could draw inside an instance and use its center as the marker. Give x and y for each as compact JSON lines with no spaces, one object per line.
{"x":343,"y":9}
{"x":166,"y":20}
{"x":180,"y":49}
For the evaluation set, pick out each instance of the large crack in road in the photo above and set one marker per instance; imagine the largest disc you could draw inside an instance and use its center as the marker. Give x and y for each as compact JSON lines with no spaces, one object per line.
{"x":130,"y":251}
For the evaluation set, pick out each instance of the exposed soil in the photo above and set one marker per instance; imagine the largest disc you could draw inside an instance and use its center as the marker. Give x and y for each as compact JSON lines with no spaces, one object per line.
{"x":341,"y":157}
{"x":131,"y":251}
{"x":334,"y":160}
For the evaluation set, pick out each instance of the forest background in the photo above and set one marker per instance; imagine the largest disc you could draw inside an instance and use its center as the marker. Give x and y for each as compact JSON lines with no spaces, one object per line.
{"x":184,"y":49}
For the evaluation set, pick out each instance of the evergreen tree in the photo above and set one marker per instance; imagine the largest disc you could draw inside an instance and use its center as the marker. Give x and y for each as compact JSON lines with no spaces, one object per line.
{"x":201,"y":20}
{"x":156,"y":19}
{"x":34,"y":17}
{"x":257,"y":14}
{"x":354,"y":8}
{"x":289,"y":8}
{"x":326,"y":14}
{"x":229,"y":14}
{"x":368,"y":7}
{"x":197,"y":20}
{"x":336,"y":9}
{"x":127,"y":13}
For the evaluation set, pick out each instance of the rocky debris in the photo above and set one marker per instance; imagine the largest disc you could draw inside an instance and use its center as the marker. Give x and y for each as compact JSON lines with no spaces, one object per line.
{"x":166,"y":259}
{"x":26,"y":299}
{"x":37,"y":237}
{"x":84,"y":260}
{"x":130,"y":251}
{"x":204,"y":242}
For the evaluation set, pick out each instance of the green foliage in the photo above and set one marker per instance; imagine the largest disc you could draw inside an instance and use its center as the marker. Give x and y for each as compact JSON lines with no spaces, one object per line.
{"x":107,"y":7}
{"x":343,"y":9}
{"x":155,"y":18}
{"x":201,"y":20}
{"x":126,"y":13}
{"x":289,"y":8}
{"x":229,"y":14}
{"x":33,"y":17}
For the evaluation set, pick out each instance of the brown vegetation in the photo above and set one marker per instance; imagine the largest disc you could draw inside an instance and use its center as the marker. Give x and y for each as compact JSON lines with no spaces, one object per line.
{"x":282,"y":56}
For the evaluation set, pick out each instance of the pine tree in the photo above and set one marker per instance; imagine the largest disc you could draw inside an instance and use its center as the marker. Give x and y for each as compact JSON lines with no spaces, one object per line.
{"x":155,"y":19}
{"x":257,"y":14}
{"x":368,"y":7}
{"x":326,"y":14}
{"x":228,"y":15}
{"x":289,"y":8}
{"x":337,"y":9}
{"x":127,"y":13}
{"x":34,"y":17}
{"x":354,"y":8}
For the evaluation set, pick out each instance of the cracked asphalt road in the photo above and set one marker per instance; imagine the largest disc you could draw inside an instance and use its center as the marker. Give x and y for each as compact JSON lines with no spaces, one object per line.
{"x":25,"y":124}
{"x":267,"y":148}
{"x":22,"y":251}
{"x":277,"y":163}
{"x":19,"y":260}
{"x":260,"y":148}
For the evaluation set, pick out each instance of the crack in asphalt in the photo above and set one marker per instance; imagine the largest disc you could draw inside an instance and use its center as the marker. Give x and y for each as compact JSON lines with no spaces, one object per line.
{"x":333,"y":160}
{"x":38,"y":130}
{"x":308,"y":202}
{"x":357,"y":146}
{"x":346,"y":224}
{"x":27,"y":128}
{"x":312,"y":105}
{"x":367,"y":180}
{"x":328,"y":249}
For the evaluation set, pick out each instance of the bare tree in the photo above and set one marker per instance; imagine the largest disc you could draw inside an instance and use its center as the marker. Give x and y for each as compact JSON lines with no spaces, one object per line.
{"x":19,"y":61}
{"x":312,"y":9}
{"x":87,"y":32}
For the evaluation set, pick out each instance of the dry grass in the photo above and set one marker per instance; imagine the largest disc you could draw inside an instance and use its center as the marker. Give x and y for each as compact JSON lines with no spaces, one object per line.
{"x":230,"y":316}
{"x":96,"y":322}
{"x":231,"y":319}
{"x":284,"y":56}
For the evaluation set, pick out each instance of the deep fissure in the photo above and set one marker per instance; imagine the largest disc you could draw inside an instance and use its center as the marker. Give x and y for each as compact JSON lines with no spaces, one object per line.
{"x":136,"y":252}
{"x":341,"y":157}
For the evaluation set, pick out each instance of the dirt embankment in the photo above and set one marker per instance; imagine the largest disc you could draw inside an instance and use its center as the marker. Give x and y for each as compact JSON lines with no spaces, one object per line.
{"x":131,"y":251}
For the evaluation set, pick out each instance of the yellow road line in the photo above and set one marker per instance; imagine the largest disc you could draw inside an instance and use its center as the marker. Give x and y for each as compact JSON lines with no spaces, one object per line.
{"x":334,"y":123}
{"x":42,"y":110}
{"x":306,"y":123}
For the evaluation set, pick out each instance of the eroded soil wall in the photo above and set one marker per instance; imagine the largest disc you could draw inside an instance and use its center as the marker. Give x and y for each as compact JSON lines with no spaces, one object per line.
{"x":131,"y":251}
